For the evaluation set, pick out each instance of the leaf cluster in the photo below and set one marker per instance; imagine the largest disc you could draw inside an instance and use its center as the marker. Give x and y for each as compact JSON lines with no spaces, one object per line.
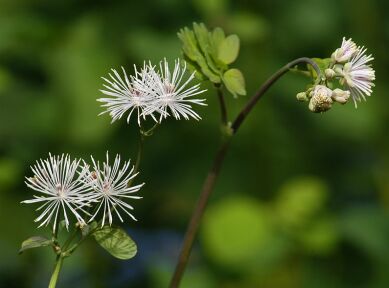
{"x":114,"y":240}
{"x":210,"y":53}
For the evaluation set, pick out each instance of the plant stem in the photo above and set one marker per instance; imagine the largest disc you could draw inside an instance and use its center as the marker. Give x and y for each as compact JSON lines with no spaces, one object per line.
{"x":198,"y":212}
{"x":138,"y":155}
{"x":140,"y":151}
{"x":74,"y":247}
{"x":57,"y":269}
{"x":266,"y":85}
{"x":217,"y":164}
{"x":70,"y":239}
{"x":223,"y":109}
{"x":56,"y":228}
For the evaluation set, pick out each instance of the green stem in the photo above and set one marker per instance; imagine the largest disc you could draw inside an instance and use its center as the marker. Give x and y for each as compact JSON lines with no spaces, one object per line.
{"x":57,"y":269}
{"x":150,"y":131}
{"x":70,"y":239}
{"x":217,"y":164}
{"x":74,"y":247}
{"x":65,"y":252}
{"x":142,"y":136}
{"x":56,"y":228}
{"x":140,"y":151}
{"x":267,"y":84}
{"x":222,"y":104}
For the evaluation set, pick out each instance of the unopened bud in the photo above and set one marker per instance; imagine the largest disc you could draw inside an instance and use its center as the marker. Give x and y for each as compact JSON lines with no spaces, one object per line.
{"x":321,"y":100}
{"x":340,"y":96}
{"x":302,"y":96}
{"x":330,"y":73}
{"x":345,"y":52}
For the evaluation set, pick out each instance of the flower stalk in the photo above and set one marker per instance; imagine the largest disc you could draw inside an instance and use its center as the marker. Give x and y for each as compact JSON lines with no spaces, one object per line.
{"x":57,"y":269}
{"x":222,"y":103}
{"x":213,"y":173}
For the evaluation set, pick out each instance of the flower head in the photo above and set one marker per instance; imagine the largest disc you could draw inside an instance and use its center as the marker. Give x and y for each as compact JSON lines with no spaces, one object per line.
{"x":150,"y":91}
{"x":60,"y":183}
{"x":110,"y":184}
{"x":345,"y":52}
{"x":172,"y":94}
{"x":128,"y":95}
{"x":358,"y":75}
{"x":321,"y":100}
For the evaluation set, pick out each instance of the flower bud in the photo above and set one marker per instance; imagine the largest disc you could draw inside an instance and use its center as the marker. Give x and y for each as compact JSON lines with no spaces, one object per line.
{"x":338,"y":69}
{"x":321,"y":100}
{"x":340,"y":96}
{"x":302,"y":96}
{"x":330,"y":73}
{"x":345,"y":52}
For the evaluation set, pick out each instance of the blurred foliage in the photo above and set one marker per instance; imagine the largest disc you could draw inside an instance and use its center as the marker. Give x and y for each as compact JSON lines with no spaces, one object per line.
{"x":302,"y":200}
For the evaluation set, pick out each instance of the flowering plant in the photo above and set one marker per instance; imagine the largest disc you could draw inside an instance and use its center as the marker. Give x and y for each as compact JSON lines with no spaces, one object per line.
{"x":88,"y":198}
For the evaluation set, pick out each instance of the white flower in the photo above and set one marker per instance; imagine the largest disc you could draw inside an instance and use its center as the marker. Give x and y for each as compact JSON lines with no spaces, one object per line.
{"x":321,"y":100}
{"x":345,"y":52}
{"x":340,"y":96}
{"x":62,"y":188}
{"x":150,"y":91}
{"x":172,"y":94}
{"x":111,"y":188}
{"x":358,"y":76}
{"x":128,"y":96}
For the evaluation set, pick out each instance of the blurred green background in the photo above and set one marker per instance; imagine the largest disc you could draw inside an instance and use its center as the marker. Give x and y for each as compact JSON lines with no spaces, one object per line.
{"x":302,"y":200}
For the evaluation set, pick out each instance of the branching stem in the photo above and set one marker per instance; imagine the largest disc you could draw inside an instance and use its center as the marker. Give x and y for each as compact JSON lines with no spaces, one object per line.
{"x":210,"y":180}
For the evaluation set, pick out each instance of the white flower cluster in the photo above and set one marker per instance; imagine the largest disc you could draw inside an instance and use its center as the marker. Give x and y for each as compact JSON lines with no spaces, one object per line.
{"x":349,"y":64}
{"x":321,"y":98}
{"x":69,"y":187}
{"x":153,"y":92}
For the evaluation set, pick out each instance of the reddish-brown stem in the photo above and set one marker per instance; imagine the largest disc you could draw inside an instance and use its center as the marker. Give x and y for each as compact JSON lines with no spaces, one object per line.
{"x":217,"y":164}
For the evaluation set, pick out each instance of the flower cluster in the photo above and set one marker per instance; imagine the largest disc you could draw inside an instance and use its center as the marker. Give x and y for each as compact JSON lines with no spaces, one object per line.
{"x":348,"y":64}
{"x":151,"y":91}
{"x":69,"y":187}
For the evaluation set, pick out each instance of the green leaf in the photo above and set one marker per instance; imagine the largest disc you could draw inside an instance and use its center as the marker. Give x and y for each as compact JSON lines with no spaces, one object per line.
{"x":116,"y":241}
{"x":217,"y":39}
{"x":234,"y":81}
{"x":194,"y":67}
{"x":322,"y":63}
{"x":192,"y":51}
{"x":201,"y":33}
{"x":189,"y":45}
{"x":228,"y":49}
{"x":202,"y":37}
{"x":35,"y":242}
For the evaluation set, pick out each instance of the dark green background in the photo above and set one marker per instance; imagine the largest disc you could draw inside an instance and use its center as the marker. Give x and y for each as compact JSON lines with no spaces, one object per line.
{"x":302,"y":200}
